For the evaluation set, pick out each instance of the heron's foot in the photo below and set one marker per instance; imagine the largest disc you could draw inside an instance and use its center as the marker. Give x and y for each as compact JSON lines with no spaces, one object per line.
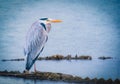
{"x":26,"y":71}
{"x":36,"y":71}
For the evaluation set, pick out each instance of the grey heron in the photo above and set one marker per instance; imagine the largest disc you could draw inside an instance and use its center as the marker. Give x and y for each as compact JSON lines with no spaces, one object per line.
{"x":36,"y":38}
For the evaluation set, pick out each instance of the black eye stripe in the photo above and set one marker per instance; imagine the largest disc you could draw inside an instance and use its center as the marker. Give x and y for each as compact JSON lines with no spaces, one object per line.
{"x":44,"y":19}
{"x":43,"y":25}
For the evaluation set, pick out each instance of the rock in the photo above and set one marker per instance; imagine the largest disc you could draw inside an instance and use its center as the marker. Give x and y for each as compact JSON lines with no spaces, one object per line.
{"x":66,"y":77}
{"x":57,"y":77}
{"x":109,"y":81}
{"x":77,"y":79}
{"x":85,"y":57}
{"x":117,"y":81}
{"x":104,"y":58}
{"x":14,"y":72}
{"x":95,"y":80}
{"x":87,"y":78}
{"x":101,"y":81}
{"x":55,"y":57}
{"x":19,"y":59}
{"x":68,"y":57}
{"x":54,"y":76}
{"x":58,"y":57}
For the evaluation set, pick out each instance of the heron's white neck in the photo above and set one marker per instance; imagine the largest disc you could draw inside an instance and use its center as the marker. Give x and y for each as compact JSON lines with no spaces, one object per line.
{"x":48,"y":27}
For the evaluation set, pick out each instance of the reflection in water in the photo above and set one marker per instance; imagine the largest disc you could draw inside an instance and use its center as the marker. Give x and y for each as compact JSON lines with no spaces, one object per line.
{"x":13,"y":80}
{"x":88,"y":28}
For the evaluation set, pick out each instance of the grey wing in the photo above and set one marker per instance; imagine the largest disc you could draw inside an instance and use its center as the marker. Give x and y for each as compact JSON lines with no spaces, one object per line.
{"x":35,"y":42}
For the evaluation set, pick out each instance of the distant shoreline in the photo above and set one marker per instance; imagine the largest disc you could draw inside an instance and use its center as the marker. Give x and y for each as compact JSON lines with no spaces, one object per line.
{"x":61,"y":57}
{"x":57,"y":77}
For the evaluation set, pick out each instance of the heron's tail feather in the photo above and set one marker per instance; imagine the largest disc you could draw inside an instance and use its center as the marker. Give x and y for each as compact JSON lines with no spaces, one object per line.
{"x":30,"y":62}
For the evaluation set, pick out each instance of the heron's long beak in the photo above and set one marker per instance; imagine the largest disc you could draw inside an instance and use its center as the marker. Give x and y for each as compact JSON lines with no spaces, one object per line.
{"x":55,"y":21}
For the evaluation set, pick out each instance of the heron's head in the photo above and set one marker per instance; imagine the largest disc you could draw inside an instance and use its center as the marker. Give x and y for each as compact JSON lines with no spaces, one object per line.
{"x":49,"y":20}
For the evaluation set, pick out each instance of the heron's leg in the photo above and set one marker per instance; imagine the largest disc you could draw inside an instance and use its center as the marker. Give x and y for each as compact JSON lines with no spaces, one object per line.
{"x":35,"y":68}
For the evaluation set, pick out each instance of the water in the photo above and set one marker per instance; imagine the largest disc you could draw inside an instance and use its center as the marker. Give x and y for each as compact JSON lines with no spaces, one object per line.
{"x":89,"y":27}
{"x":13,"y":80}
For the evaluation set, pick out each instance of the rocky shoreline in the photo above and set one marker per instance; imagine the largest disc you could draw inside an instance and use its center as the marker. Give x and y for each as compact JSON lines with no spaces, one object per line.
{"x":61,"y":57}
{"x":57,"y":77}
{"x":68,"y":57}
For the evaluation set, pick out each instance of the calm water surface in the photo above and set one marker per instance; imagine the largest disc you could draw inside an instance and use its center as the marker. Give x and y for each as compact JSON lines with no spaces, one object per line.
{"x":89,"y":27}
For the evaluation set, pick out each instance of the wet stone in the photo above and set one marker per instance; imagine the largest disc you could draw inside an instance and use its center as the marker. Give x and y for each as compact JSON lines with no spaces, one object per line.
{"x":57,"y":77}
